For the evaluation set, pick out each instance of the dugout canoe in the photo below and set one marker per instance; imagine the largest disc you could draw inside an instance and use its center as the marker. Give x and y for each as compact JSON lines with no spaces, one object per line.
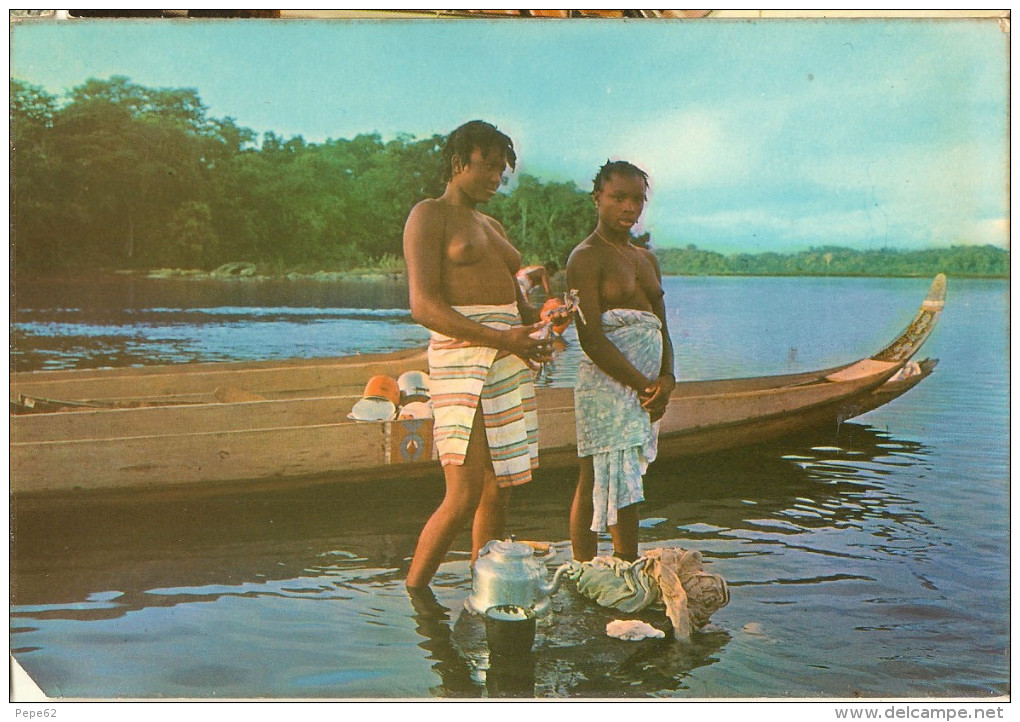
{"x":250,"y":423}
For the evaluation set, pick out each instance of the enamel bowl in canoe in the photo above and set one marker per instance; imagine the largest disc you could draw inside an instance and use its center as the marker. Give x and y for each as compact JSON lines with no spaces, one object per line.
{"x":205,"y":425}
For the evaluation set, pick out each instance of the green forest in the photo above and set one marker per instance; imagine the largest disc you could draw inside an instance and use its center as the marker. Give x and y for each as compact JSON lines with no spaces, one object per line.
{"x":115,"y":175}
{"x":957,"y":261}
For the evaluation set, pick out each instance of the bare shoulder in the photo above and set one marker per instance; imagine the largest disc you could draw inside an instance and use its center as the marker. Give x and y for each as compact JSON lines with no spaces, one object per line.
{"x":648,"y":254}
{"x":425,"y":221}
{"x":585,"y":253}
{"x":428,"y":210}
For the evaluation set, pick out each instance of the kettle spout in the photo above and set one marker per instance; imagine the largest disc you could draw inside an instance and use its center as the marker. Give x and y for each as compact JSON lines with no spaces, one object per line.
{"x":549,"y":589}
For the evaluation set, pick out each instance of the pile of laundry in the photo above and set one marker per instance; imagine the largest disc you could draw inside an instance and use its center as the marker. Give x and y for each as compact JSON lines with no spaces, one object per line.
{"x":675,"y":578}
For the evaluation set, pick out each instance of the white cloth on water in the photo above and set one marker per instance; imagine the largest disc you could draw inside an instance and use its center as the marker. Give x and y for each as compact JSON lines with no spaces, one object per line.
{"x":612,"y":426}
{"x":633,"y":630}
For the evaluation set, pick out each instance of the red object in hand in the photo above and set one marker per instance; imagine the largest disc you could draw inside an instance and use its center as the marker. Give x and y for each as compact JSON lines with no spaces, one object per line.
{"x":549,"y":309}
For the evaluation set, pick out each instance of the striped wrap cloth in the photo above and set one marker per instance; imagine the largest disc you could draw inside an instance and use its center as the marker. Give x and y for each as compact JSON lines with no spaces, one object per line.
{"x":461,"y":376}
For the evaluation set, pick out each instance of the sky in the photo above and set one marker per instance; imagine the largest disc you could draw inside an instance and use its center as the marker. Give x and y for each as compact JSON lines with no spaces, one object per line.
{"x":758,"y":135}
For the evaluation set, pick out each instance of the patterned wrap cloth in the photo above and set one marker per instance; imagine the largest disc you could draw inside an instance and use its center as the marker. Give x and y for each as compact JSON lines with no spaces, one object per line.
{"x":611,"y":425}
{"x":461,"y":375}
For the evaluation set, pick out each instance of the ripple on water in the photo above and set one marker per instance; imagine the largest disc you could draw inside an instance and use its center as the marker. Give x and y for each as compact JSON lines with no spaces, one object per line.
{"x":875,"y":561}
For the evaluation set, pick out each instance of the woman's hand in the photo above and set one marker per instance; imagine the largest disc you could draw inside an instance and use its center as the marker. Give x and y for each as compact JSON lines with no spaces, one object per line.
{"x":655,"y":398}
{"x":557,"y":315}
{"x":519,"y":341}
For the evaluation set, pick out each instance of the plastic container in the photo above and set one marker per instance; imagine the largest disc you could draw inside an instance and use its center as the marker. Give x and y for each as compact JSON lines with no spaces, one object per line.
{"x":382,"y":387}
{"x":414,"y":386}
{"x":379,"y":402}
{"x":373,"y":410}
{"x":416,"y":410}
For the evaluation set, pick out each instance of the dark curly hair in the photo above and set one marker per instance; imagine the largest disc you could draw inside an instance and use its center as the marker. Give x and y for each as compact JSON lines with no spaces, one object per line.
{"x":617,"y":167}
{"x":476,"y":134}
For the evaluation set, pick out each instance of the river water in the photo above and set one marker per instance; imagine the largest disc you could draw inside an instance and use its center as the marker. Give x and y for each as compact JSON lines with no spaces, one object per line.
{"x":869,"y":561}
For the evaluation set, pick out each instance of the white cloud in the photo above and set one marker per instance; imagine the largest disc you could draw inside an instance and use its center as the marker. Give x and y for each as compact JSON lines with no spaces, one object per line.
{"x":881,"y":143}
{"x":934,"y":194}
{"x":790,"y":230}
{"x":689,"y":148}
{"x":994,"y":231}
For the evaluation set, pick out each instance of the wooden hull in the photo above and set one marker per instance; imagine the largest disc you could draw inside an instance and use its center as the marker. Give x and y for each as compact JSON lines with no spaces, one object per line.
{"x":180,"y":426}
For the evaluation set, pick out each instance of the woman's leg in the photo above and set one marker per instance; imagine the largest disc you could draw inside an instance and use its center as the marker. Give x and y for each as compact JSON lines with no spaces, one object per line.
{"x":490,"y":518}
{"x":583,"y":540}
{"x":464,"y":488}
{"x":443,"y":526}
{"x":625,"y":533}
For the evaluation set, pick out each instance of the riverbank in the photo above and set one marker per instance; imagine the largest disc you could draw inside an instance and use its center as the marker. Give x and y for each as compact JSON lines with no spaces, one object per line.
{"x":249,"y":272}
{"x":558,"y":281}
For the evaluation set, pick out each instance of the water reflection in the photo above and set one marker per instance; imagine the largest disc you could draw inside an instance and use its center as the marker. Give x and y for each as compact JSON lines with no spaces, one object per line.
{"x":175,"y":336}
{"x":511,"y":676}
{"x":852,"y":553}
{"x":812,"y":510}
{"x":69,"y":549}
{"x":432,"y":622}
{"x":137,"y":321}
{"x":111,"y":295}
{"x":652,"y":668}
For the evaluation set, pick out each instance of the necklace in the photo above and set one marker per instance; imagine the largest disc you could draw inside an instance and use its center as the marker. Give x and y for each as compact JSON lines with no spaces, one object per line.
{"x":615,"y":247}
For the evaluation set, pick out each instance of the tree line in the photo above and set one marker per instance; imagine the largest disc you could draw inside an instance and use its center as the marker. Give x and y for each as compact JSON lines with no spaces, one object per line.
{"x":123,"y":176}
{"x":958,"y":261}
{"x":118,"y":175}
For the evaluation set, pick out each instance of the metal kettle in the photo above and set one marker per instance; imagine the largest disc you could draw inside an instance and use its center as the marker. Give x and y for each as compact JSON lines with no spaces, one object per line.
{"x":507,"y":572}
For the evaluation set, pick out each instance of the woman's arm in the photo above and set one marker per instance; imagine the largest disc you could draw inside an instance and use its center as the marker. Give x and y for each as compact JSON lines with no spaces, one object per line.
{"x":423,"y":253}
{"x":584,"y":274}
{"x":658,"y":398}
{"x":529,"y":314}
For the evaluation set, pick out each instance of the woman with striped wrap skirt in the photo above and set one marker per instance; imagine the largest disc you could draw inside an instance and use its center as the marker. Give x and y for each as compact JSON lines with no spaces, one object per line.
{"x":461,"y":275}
